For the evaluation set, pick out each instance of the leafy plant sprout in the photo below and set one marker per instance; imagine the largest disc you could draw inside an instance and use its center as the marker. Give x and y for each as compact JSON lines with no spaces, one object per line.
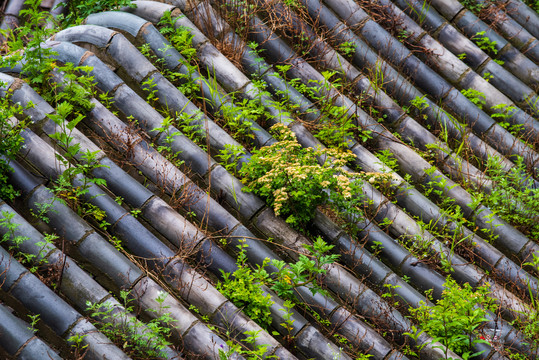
{"x":513,"y":197}
{"x":486,"y":44}
{"x":243,"y":288}
{"x":141,"y":341}
{"x":456,"y":319}
{"x":11,"y":143}
{"x":348,"y":48}
{"x":475,"y":96}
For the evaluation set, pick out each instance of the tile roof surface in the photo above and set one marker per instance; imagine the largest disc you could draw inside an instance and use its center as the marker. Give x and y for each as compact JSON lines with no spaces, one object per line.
{"x":401,"y":71}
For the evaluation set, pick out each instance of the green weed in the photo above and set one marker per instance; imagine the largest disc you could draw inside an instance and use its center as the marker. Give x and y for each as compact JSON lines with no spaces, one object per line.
{"x":475,"y":96}
{"x":138,"y":340}
{"x":305,"y":271}
{"x":513,"y":198}
{"x":474,"y":6}
{"x":243,"y":288}
{"x":456,"y":319}
{"x":11,"y":143}
{"x":77,"y":10}
{"x":420,"y":14}
{"x":486,"y":44}
{"x":258,"y":353}
{"x":347,"y":48}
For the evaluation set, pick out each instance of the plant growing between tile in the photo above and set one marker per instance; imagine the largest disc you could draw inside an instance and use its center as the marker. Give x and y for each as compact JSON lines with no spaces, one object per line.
{"x":376,"y":76}
{"x":9,"y":226}
{"x":486,"y":44}
{"x":11,"y":143}
{"x":473,"y":5}
{"x":534,"y":4}
{"x":503,"y":116}
{"x":78,"y":350}
{"x":475,"y":96}
{"x":513,"y":197}
{"x":6,"y":222}
{"x":71,"y":98}
{"x":422,"y":13}
{"x":34,"y":319}
{"x":305,"y":271}
{"x":136,"y":339}
{"x":289,"y":177}
{"x":77,"y":10}
{"x":288,"y":323}
{"x":456,"y":319}
{"x":191,"y":126}
{"x":22,"y":47}
{"x":529,"y":323}
{"x":243,"y":288}
{"x":24,"y":44}
{"x":239,"y":115}
{"x":347,"y":48}
{"x":229,"y":156}
{"x":235,"y":114}
{"x":334,"y":127}
{"x":166,"y":150}
{"x":34,"y":261}
{"x":258,"y":353}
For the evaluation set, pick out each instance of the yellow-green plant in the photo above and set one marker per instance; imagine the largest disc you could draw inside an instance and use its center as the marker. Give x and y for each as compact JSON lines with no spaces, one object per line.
{"x":420,"y":14}
{"x":503,"y":116}
{"x":33,"y":260}
{"x":181,"y":39}
{"x":475,"y":96}
{"x":474,"y":6}
{"x":348,"y":48}
{"x":293,"y":183}
{"x":486,"y":44}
